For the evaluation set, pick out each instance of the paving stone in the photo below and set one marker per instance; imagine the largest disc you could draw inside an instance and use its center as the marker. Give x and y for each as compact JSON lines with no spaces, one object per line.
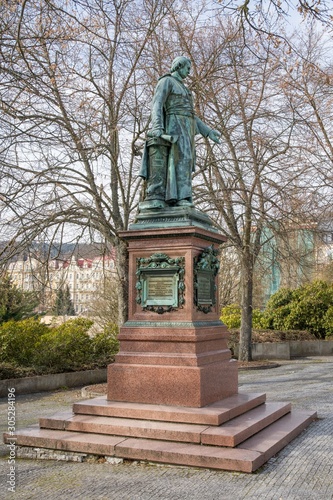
{"x":303,"y":470}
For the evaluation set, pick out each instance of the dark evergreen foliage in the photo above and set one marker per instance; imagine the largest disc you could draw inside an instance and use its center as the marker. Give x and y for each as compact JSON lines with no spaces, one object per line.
{"x":15,"y":304}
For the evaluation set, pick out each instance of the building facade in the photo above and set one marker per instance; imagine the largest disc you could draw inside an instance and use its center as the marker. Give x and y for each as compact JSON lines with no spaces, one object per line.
{"x":296,"y":255}
{"x":85,"y":277}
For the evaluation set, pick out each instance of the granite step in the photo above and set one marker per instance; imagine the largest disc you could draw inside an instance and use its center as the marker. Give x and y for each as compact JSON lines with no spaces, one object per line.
{"x":276,"y":436}
{"x":246,"y":457}
{"x":94,"y":444}
{"x":192,"y":455}
{"x":227,"y":434}
{"x":213,"y":414}
{"x":239,"y":429}
{"x":169,"y":431}
{"x":253,"y":454}
{"x":140,"y":449}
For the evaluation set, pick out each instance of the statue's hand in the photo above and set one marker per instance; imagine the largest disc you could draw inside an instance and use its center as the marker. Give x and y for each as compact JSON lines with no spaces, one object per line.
{"x":214,"y":135}
{"x":155,"y":133}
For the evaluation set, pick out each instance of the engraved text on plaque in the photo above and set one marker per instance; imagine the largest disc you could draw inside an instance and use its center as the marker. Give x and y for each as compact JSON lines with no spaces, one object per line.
{"x":205,"y":287}
{"x":160,"y":287}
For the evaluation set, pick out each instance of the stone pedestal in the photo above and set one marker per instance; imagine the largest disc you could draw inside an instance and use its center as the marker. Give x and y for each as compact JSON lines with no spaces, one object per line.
{"x":173,"y":348}
{"x":173,"y":390}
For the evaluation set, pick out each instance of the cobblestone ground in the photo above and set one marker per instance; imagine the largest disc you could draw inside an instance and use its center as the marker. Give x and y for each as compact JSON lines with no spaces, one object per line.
{"x":302,"y":470}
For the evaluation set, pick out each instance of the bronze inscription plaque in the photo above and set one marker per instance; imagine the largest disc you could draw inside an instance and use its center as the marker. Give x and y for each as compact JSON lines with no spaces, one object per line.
{"x":205,"y":287}
{"x":160,"y":287}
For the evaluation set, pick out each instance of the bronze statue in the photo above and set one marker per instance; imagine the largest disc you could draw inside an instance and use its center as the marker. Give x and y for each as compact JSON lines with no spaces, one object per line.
{"x":169,"y":156}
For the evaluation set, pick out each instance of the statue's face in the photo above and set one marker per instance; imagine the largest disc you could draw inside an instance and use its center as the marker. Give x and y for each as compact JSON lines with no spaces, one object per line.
{"x":184,"y":71}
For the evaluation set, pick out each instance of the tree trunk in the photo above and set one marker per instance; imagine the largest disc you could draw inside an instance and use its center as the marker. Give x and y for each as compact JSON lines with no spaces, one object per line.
{"x":245,"y":339}
{"x":122,"y":271}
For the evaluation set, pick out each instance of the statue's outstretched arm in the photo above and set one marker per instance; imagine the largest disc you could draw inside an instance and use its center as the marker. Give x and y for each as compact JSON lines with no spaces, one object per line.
{"x":206,"y":131}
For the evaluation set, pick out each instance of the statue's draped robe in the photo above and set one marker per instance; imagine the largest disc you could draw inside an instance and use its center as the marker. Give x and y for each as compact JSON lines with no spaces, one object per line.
{"x":173,"y":114}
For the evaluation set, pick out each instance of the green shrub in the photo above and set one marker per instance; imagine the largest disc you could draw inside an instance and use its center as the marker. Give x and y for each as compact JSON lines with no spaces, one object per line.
{"x":67,"y":347}
{"x":309,"y":307}
{"x":18,"y":340}
{"x":259,"y":319}
{"x":305,"y":308}
{"x":10,"y":370}
{"x":15,"y":304}
{"x":75,"y":325}
{"x":29,"y":347}
{"x":278,"y":309}
{"x":105,"y":344}
{"x":231,"y":316}
{"x":328,"y":322}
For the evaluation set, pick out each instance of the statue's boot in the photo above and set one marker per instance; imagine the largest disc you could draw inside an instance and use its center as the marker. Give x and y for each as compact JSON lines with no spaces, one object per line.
{"x":152,"y":205}
{"x":184,"y":203}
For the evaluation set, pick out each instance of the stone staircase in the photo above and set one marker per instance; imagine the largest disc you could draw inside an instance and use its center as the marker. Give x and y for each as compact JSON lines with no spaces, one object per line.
{"x":238,"y":433}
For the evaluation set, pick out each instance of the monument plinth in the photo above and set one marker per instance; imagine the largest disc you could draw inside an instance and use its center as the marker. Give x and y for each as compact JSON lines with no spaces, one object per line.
{"x":173,"y":348}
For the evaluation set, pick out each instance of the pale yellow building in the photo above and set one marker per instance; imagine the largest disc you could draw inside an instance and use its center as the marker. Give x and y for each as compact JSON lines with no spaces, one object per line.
{"x":84,"y":277}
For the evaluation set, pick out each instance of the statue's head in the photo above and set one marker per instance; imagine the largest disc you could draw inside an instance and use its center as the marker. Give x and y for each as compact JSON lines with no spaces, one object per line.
{"x":179,"y":62}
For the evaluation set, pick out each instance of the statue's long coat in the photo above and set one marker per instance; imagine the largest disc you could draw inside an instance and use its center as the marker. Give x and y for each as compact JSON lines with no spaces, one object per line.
{"x":173,"y":114}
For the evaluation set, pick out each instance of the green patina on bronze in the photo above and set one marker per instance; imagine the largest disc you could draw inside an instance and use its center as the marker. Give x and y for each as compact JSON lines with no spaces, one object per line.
{"x":160,"y":283}
{"x":173,"y":217}
{"x":169,"y":153}
{"x":206,"y":267}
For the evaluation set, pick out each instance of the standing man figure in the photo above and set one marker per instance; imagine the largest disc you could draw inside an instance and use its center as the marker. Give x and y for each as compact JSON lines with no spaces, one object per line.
{"x":169,"y":156}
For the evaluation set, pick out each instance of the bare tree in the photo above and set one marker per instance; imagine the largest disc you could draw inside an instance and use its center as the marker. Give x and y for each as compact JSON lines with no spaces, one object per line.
{"x":308,"y":86}
{"x":248,"y":178}
{"x":265,"y":16}
{"x":76,"y":83}
{"x":71,"y":94}
{"x":229,"y":277}
{"x":272,"y":175}
{"x":104,"y":306}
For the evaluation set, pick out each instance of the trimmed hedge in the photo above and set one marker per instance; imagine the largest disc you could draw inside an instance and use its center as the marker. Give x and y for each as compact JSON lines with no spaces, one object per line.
{"x":31,"y":347}
{"x":18,"y":340}
{"x":65,"y":347}
{"x":309,"y":307}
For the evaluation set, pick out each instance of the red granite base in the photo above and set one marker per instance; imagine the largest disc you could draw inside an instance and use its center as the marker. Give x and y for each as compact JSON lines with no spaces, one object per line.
{"x":172,"y":385}
{"x":239,"y":433}
{"x":178,"y":356}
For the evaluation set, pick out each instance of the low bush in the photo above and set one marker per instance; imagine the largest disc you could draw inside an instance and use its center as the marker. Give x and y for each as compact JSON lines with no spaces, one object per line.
{"x":231,"y":317}
{"x":66,"y":347}
{"x":105,"y":344}
{"x":278,"y":309}
{"x":10,"y":370}
{"x":305,"y":308}
{"x":18,"y":340}
{"x":259,"y":319}
{"x":328,"y":322}
{"x":29,"y":347}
